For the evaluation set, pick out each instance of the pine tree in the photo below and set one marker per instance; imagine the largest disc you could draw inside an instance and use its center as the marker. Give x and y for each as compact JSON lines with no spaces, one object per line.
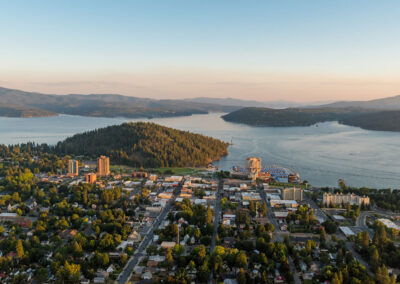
{"x":322,"y":236}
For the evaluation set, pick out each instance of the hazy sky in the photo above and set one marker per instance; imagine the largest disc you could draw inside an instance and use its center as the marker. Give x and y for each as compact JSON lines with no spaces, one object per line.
{"x":266,"y":50}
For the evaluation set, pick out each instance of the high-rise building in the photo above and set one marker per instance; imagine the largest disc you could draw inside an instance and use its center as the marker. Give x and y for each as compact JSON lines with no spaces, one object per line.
{"x":253,"y":167}
{"x":103,"y":166}
{"x":73,"y":168}
{"x":292,"y":194}
{"x":90,"y":177}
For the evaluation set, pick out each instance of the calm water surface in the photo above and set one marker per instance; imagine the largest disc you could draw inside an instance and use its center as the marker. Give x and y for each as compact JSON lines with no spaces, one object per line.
{"x":320,"y":154}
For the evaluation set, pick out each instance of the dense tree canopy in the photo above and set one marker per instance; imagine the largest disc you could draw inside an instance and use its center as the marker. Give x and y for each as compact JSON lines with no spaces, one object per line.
{"x":145,"y":144}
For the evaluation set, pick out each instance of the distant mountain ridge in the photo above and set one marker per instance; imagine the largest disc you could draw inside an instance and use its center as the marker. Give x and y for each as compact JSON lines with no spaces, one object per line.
{"x":104,"y":105}
{"x":247,"y":103}
{"x":389,"y":103}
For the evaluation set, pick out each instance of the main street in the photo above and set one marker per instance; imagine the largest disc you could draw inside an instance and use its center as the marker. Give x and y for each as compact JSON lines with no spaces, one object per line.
{"x":128,"y":269}
{"x":277,"y":234}
{"x":318,"y":213}
{"x":217,"y":218}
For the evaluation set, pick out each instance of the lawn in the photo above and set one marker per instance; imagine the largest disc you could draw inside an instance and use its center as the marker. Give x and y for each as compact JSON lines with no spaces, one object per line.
{"x":162,"y":171}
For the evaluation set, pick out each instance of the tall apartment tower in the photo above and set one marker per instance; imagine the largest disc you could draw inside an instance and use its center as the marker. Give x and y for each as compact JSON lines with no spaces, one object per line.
{"x":103,"y":166}
{"x":73,"y":168}
{"x":253,"y":165}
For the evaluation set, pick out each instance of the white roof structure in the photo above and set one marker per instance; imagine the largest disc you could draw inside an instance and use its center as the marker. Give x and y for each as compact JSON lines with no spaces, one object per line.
{"x":339,"y":217}
{"x":347,"y":231}
{"x":389,"y":224}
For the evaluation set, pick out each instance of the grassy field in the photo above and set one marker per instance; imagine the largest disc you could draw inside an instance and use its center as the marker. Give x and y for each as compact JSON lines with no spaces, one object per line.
{"x":166,"y":171}
{"x":285,"y":184}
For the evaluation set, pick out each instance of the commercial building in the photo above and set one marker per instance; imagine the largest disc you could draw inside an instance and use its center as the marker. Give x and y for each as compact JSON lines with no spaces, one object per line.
{"x":292,"y":194}
{"x":91,"y":177}
{"x":103,"y":166}
{"x":139,"y":175}
{"x":389,"y":224}
{"x":283,"y":203}
{"x":340,"y":198}
{"x":346,"y":231}
{"x":73,"y":168}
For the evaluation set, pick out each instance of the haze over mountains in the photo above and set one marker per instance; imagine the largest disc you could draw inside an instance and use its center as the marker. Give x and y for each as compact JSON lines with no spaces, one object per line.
{"x":392,"y":103}
{"x":253,"y":103}
{"x":17,"y":103}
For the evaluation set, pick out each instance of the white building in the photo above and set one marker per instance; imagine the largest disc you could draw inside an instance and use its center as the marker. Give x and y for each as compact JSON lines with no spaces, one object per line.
{"x":340,"y":198}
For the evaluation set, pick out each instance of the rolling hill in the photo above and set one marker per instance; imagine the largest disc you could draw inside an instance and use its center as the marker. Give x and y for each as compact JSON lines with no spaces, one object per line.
{"x":9,"y":110}
{"x":389,"y":103}
{"x":106,"y":105}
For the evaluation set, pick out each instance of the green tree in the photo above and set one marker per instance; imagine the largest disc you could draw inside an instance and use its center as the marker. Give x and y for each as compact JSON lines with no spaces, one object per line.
{"x":41,"y":275}
{"x":241,"y":277}
{"x":322,"y":235}
{"x":374,"y":258}
{"x":241,"y":260}
{"x":70,"y":273}
{"x":383,"y":277}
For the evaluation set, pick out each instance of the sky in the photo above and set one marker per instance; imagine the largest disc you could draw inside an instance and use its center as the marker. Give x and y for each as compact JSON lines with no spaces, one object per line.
{"x":265,"y":50}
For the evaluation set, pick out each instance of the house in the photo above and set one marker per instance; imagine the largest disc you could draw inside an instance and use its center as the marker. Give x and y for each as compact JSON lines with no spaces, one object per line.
{"x":68,"y":234}
{"x":152,"y":263}
{"x":99,"y":280}
{"x":134,"y":237}
{"x":279,"y":279}
{"x":110,"y":269}
{"x":168,"y":245}
{"x":147,"y":276}
{"x":157,"y":258}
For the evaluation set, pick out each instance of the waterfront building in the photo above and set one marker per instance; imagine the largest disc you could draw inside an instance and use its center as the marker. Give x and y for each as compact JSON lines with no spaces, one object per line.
{"x":253,"y":165}
{"x":103,"y":166}
{"x":340,"y":198}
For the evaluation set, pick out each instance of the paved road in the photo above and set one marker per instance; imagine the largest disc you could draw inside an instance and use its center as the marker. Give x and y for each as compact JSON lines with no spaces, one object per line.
{"x":217,"y":218}
{"x":277,"y":234}
{"x":128,"y":269}
{"x":361,"y":222}
{"x":350,"y":247}
{"x":317,"y":211}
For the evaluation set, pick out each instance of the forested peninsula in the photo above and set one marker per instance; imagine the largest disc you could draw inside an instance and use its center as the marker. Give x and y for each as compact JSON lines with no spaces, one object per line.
{"x":145,"y":144}
{"x":370,"y":119}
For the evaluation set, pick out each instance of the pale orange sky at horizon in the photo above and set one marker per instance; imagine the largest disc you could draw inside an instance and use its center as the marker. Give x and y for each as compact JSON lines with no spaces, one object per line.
{"x":189,"y":83}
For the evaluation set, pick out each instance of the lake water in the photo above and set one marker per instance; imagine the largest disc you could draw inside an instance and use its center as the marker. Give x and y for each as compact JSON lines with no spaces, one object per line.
{"x":320,"y":154}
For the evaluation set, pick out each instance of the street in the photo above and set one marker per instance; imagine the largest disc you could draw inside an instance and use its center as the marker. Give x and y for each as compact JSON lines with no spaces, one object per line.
{"x":128,"y":269}
{"x":277,"y":235}
{"x":217,"y":217}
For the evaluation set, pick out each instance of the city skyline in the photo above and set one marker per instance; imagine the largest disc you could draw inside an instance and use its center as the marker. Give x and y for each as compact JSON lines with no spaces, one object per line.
{"x":308,"y":51}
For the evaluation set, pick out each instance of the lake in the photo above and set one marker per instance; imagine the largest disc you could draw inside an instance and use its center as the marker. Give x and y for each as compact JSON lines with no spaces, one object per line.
{"x":320,"y":154}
